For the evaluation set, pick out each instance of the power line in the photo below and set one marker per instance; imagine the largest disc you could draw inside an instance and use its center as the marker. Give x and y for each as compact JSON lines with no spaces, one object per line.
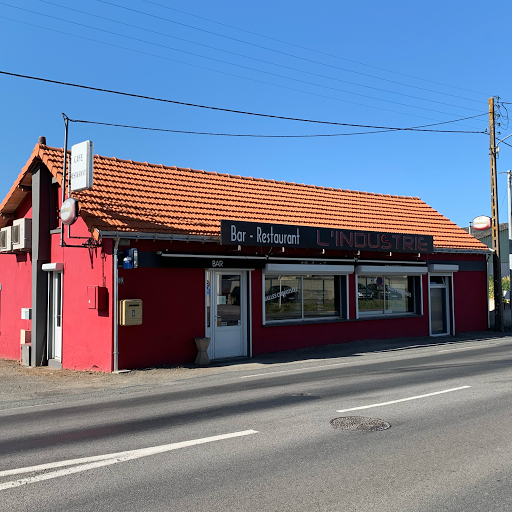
{"x":258,"y":136}
{"x":280,"y":52}
{"x":232,"y":111}
{"x":249,"y":57}
{"x":311,"y":49}
{"x":224,"y":134}
{"x":233,"y":64}
{"x":215,"y":70}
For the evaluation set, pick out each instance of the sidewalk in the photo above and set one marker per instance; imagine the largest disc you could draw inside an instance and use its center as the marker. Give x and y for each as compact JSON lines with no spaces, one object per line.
{"x":21,"y":383}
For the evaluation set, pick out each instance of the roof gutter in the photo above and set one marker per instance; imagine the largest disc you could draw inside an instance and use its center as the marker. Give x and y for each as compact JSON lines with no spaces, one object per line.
{"x":157,"y":236}
{"x":445,"y":250}
{"x":116,"y":306}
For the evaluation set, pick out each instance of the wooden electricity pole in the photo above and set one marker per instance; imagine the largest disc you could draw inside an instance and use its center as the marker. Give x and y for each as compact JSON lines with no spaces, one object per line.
{"x":495,"y":226}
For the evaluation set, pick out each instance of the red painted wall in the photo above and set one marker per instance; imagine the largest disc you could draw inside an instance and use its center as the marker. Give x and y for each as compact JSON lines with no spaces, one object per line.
{"x":274,"y":338}
{"x":470,"y":300}
{"x":173,"y":308}
{"x":470,"y":291}
{"x":87,"y":334}
{"x":173,"y":315}
{"x":16,"y":293}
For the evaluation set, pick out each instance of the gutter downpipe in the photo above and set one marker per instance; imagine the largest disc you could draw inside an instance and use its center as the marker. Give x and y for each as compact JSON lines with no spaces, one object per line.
{"x":115,"y":304}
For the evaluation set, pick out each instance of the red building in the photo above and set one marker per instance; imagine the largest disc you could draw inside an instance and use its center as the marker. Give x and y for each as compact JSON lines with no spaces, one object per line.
{"x":292,"y":266}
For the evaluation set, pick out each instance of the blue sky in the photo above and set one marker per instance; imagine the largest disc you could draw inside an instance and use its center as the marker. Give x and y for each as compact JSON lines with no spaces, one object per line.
{"x":393,"y":63}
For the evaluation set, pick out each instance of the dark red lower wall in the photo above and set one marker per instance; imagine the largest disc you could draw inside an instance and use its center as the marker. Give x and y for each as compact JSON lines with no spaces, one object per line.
{"x":274,"y":338}
{"x":173,"y":315}
{"x":470,"y":304}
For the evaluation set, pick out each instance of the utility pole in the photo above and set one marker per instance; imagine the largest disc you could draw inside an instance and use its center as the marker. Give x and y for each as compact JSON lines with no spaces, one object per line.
{"x":509,"y":177}
{"x":495,"y":227}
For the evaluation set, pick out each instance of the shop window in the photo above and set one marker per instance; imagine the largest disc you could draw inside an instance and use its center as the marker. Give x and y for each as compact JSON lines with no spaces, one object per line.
{"x":302,"y":297}
{"x":320,"y":297}
{"x":388,"y":295}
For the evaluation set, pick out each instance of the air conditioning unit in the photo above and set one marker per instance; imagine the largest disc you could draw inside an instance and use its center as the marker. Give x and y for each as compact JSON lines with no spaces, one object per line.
{"x":21,"y":235}
{"x":5,"y":240}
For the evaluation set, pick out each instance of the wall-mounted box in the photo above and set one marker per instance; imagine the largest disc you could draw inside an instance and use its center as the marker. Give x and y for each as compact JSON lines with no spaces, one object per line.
{"x":21,"y":235}
{"x":53,"y":267}
{"x":26,"y":313}
{"x":5,"y":239}
{"x":25,"y":339}
{"x":130,"y":312}
{"x":97,"y":297}
{"x":25,"y":336}
{"x":25,"y":354}
{"x":131,"y":258}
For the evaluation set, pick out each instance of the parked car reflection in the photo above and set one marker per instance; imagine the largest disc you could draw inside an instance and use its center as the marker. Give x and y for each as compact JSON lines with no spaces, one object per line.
{"x":364,"y":292}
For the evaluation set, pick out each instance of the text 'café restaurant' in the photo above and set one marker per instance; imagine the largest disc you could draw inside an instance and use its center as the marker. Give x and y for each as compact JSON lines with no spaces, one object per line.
{"x":162,"y":255}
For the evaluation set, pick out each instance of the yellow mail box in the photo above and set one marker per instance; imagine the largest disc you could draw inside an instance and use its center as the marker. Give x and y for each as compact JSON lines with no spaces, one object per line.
{"x":130,"y":312}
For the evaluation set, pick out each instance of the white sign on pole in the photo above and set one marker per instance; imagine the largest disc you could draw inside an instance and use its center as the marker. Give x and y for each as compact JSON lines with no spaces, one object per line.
{"x":82,"y":166}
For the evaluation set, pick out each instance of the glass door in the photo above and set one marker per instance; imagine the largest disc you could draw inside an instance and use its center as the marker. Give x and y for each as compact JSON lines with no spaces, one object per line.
{"x":439,"y":305}
{"x":55,"y":316}
{"x":227,"y":305}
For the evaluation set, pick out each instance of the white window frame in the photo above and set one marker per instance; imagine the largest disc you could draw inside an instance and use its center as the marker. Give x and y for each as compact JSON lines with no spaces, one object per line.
{"x":209,"y":330}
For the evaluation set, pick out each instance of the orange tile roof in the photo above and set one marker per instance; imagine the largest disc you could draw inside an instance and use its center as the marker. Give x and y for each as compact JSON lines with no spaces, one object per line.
{"x":132,"y":196}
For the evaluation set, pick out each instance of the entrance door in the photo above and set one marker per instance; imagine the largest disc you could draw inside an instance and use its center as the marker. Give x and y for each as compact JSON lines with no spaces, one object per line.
{"x":439,"y":305}
{"x":228,"y":314}
{"x":55,"y":316}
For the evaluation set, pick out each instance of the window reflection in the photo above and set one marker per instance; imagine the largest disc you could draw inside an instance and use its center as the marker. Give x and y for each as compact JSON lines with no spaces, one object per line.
{"x":386,"y":294}
{"x":319,"y":296}
{"x":228,"y":300}
{"x":301,"y":297}
{"x":283,"y":297}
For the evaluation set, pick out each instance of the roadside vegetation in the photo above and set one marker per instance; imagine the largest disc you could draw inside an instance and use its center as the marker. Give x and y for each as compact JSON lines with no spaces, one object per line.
{"x":505,"y":285}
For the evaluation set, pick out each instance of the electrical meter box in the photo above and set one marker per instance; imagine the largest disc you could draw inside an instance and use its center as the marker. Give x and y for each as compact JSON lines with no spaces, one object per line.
{"x":130,"y":312}
{"x":97,"y":297}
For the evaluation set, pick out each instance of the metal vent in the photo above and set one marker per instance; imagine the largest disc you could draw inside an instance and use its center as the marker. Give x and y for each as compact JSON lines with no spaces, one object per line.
{"x":16,"y":234}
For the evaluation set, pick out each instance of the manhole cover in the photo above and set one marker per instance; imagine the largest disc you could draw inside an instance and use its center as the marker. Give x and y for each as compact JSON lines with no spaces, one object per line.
{"x":360,"y":423}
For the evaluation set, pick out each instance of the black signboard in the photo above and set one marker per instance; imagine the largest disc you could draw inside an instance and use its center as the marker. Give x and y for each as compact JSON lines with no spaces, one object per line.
{"x":154,"y":259}
{"x":235,"y":232}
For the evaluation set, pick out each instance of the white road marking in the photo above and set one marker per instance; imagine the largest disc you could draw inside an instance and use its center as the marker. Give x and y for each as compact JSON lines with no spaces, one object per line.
{"x":292,"y":370}
{"x":403,"y":399}
{"x":98,"y":461}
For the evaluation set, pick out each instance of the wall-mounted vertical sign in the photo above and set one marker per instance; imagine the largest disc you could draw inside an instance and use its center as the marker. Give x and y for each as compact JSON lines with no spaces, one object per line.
{"x":82,"y":166}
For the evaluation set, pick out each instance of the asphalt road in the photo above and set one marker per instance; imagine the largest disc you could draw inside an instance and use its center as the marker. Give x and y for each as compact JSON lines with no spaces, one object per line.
{"x":261,"y":439}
